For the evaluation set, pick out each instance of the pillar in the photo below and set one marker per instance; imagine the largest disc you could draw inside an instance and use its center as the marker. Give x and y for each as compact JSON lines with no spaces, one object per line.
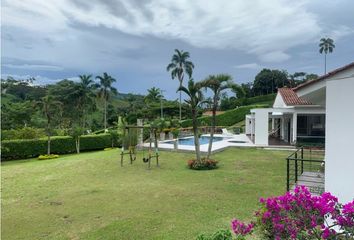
{"x":294,"y":132}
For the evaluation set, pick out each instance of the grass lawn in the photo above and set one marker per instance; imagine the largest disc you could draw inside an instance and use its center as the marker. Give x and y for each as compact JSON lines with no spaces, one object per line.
{"x":89,"y":196}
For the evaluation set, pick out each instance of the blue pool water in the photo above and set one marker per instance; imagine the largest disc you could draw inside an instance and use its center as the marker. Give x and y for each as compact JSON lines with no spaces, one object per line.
{"x":190,"y":141}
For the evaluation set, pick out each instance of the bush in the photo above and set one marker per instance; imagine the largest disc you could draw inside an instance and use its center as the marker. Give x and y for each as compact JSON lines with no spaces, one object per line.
{"x":23,"y":133}
{"x":254,"y":100}
{"x":222,"y":234}
{"x":226,"y":119}
{"x":204,"y":165}
{"x":17,"y":149}
{"x":45,"y":157}
{"x":300,"y":215}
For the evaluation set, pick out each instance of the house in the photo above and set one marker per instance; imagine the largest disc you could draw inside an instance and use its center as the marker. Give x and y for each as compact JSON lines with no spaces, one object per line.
{"x":320,"y":111}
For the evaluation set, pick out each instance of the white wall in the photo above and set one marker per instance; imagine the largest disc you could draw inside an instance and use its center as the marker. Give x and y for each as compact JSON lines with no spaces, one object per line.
{"x":261,"y":126}
{"x":340,"y":137}
{"x":279,"y":102}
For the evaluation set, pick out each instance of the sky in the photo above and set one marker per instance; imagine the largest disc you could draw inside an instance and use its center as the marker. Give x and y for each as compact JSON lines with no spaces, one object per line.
{"x":133,"y":40}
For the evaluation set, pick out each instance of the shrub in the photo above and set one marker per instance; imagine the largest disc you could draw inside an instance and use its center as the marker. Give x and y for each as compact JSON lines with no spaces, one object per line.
{"x":23,"y":133}
{"x":44,"y":157}
{"x":300,"y":215}
{"x":17,"y":149}
{"x":222,"y":234}
{"x":226,"y":119}
{"x":204,"y":165}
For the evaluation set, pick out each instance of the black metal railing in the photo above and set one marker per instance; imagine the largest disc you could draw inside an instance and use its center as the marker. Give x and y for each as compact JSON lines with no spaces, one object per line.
{"x":306,"y":167}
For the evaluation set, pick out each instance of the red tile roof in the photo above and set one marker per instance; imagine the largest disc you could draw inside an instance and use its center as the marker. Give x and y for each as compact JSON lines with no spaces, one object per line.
{"x":291,"y":98}
{"x":325,"y":76}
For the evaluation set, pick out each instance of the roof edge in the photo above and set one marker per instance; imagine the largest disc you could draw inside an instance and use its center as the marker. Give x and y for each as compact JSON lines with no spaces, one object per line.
{"x":329,"y":74}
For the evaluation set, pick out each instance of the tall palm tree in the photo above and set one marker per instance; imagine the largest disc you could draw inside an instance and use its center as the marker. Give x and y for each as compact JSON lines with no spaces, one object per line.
{"x":217,"y":84}
{"x":179,"y":66}
{"x":195,"y":98}
{"x":105,"y":91}
{"x":87,"y":96}
{"x":49,"y":107}
{"x":154,"y":95}
{"x":326,"y":46}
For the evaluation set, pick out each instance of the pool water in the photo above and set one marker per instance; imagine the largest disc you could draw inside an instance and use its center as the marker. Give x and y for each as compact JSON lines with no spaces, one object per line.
{"x":190,"y":141}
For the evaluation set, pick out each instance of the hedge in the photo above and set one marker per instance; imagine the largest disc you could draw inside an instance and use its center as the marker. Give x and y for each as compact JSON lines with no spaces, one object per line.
{"x":20,"y":149}
{"x":228,"y":118}
{"x":255,"y":100}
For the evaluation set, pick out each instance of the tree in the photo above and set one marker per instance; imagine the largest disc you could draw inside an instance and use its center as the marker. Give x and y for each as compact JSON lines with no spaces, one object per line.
{"x":179,"y":66}
{"x":49,"y":107}
{"x":195,"y":95}
{"x":76,"y":132}
{"x":154,"y":95}
{"x":267,"y":81}
{"x":105,"y":92}
{"x":87,"y":96}
{"x":217,"y":84}
{"x":238,"y":90}
{"x":326,"y":46}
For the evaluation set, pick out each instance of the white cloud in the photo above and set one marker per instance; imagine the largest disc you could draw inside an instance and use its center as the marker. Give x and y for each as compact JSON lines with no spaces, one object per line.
{"x":276,"y":56}
{"x":249,"y":66}
{"x":39,"y":67}
{"x":266,"y":29}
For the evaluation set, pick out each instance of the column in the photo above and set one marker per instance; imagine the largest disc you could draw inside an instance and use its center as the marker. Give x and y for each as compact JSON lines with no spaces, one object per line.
{"x":273,"y":123}
{"x":294,"y":135}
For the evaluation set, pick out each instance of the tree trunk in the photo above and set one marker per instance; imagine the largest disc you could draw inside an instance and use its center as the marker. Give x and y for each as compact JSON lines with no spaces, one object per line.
{"x":155,"y":139}
{"x":325,"y":63}
{"x":180,"y":102}
{"x":212,"y":130}
{"x":48,"y":144}
{"x":105,"y":114}
{"x":196,"y":136}
{"x":77,"y":141}
{"x":48,"y":134}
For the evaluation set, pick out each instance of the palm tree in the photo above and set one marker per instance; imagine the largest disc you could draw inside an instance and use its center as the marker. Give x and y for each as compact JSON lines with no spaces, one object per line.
{"x":87,"y":87}
{"x":326,"y":45}
{"x":179,"y":66}
{"x":154,"y":95}
{"x":195,"y":98}
{"x":49,"y":107}
{"x":105,"y":91}
{"x":217,"y":84}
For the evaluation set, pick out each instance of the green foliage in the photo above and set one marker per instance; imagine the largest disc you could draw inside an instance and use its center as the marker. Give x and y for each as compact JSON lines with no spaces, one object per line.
{"x":267,"y":81}
{"x":46,"y":156}
{"x":16,"y":149}
{"x":222,"y":234}
{"x":231,"y":103}
{"x":115,"y":137}
{"x":130,"y":139}
{"x":23,"y":133}
{"x":226,"y":119}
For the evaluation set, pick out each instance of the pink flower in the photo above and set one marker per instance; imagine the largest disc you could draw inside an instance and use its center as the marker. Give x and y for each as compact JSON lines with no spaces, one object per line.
{"x":240,"y":228}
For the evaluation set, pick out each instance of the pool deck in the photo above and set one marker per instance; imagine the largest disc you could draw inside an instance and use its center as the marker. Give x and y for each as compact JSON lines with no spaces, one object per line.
{"x":217,"y":146}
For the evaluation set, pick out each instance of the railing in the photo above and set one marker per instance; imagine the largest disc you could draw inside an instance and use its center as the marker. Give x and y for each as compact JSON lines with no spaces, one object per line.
{"x":306,"y":167}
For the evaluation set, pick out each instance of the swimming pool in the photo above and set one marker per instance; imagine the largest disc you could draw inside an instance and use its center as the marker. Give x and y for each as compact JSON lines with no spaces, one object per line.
{"x":190,"y":140}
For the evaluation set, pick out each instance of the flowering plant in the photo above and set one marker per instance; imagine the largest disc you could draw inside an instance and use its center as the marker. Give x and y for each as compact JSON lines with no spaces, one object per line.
{"x":300,"y":215}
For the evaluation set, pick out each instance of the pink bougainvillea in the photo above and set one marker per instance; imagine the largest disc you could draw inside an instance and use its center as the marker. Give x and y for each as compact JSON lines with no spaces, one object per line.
{"x":300,"y":215}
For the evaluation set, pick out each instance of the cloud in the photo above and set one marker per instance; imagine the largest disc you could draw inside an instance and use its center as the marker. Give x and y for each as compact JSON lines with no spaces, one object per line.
{"x":249,"y":66}
{"x":266,"y":29}
{"x":276,"y":56}
{"x":39,"y":80}
{"x":33,"y":67}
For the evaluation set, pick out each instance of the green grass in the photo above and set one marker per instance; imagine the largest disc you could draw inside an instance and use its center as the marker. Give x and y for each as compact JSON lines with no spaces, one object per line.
{"x":89,"y":196}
